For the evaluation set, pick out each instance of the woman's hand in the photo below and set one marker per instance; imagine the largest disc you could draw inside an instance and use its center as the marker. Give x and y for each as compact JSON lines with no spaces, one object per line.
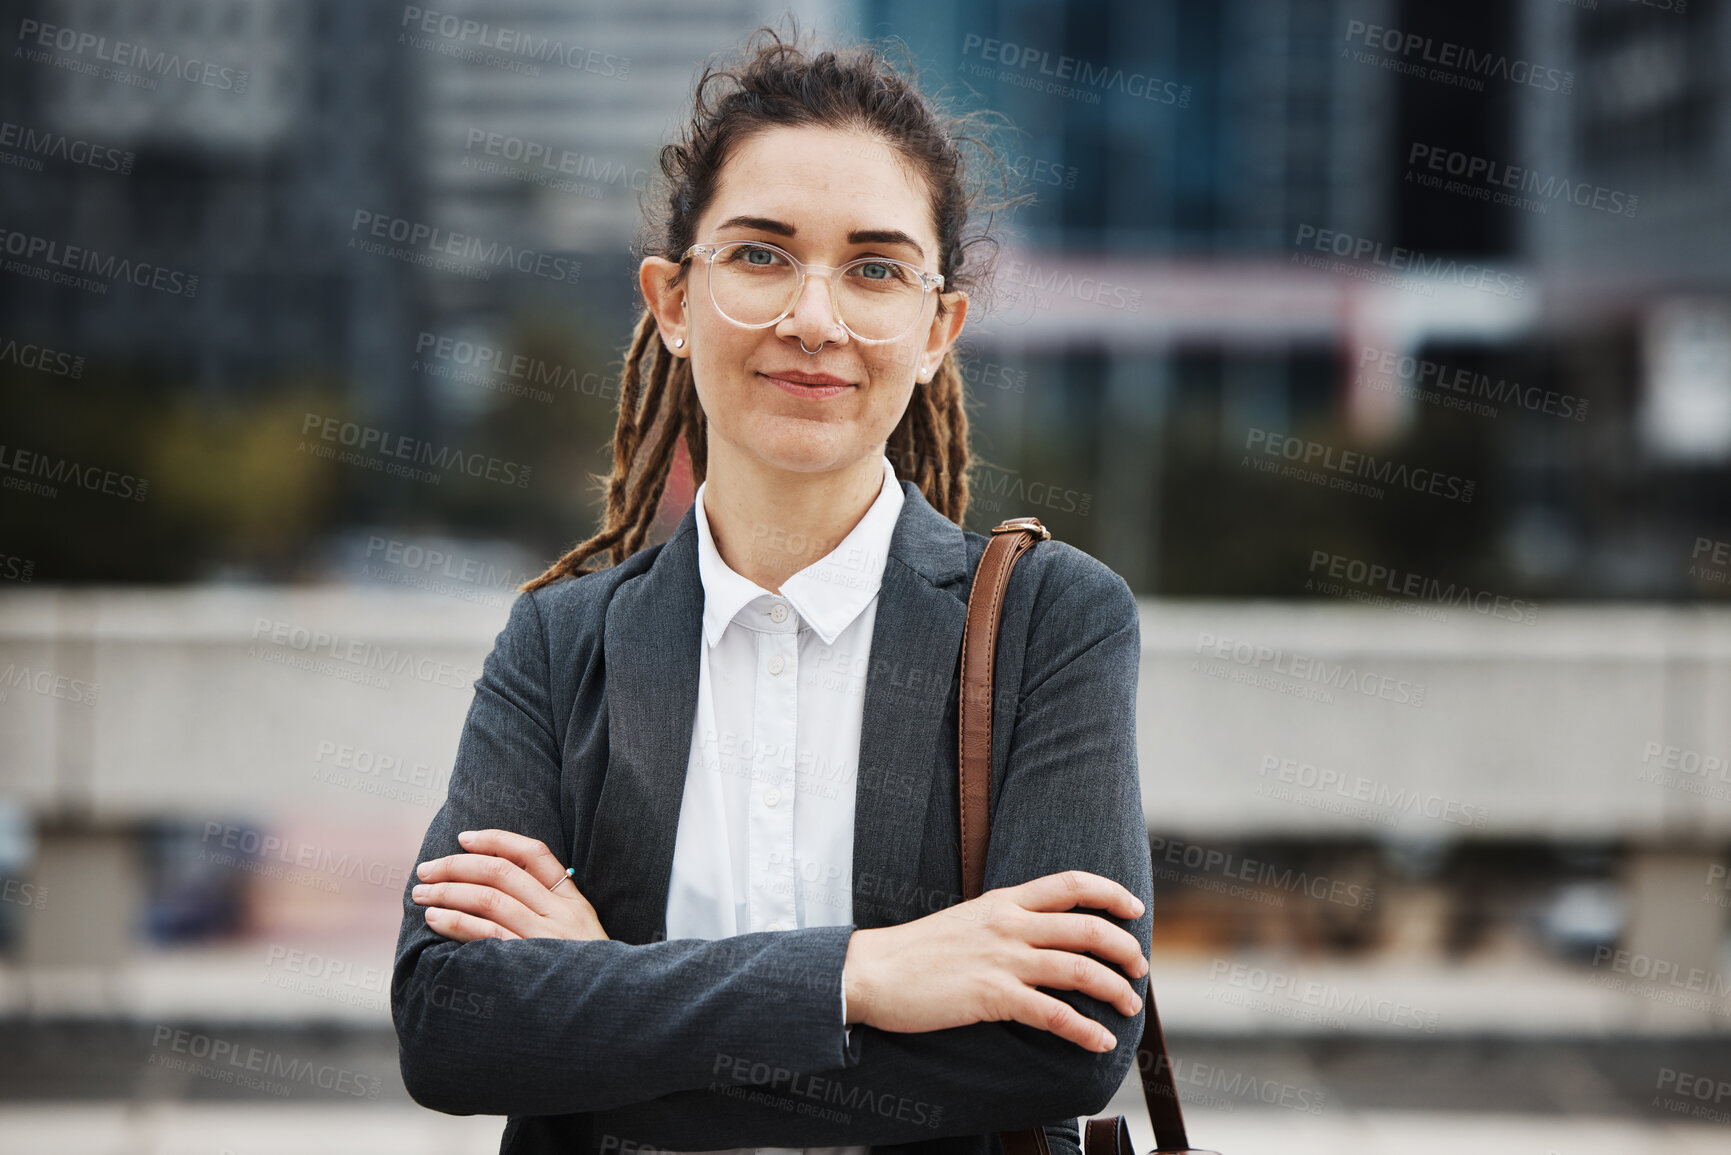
{"x":979,"y":961}
{"x":500,"y":890}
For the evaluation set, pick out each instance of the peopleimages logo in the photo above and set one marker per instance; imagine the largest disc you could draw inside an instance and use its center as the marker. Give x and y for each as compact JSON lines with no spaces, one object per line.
{"x":1225,"y":864}
{"x":477,"y":363}
{"x":460,"y":33}
{"x":1238,"y":979}
{"x":1306,"y":668}
{"x":1022,"y":278}
{"x":1371,"y":576}
{"x":255,"y":846}
{"x":1444,"y":60}
{"x":48,"y":684}
{"x":29,"y":463}
{"x":124,"y":54}
{"x":1351,"y":463}
{"x":1399,"y":800}
{"x":41,"y":358}
{"x":33,"y":142}
{"x":532,"y":154}
{"x":462,"y":246}
{"x":1490,"y":177}
{"x":1687,"y":770}
{"x":1236,"y":1086}
{"x":1437,"y":382}
{"x":249,"y":1066}
{"x":1691,"y":1086}
{"x":40,"y":256}
{"x":1654,"y":970}
{"x":1069,"y":74}
{"x":1468,"y":275}
{"x":365,"y":439}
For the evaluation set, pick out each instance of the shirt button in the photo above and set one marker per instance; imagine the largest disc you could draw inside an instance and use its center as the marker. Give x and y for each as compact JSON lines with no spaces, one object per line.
{"x":771,"y":797}
{"x":776,"y":925}
{"x":775,"y":664}
{"x":778,"y":613}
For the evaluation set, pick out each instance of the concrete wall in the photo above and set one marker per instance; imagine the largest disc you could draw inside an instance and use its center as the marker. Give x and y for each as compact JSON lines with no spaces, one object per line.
{"x":1591,"y":721}
{"x":1256,"y":719}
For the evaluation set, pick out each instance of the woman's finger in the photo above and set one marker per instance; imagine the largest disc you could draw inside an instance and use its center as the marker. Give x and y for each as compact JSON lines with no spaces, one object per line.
{"x":529,"y":853}
{"x":1072,"y":888}
{"x":490,"y":870}
{"x":1089,"y":933}
{"x":1067,"y":971}
{"x":1024,"y":1004}
{"x":464,"y":927}
{"x":532,"y":855}
{"x":484,"y":902}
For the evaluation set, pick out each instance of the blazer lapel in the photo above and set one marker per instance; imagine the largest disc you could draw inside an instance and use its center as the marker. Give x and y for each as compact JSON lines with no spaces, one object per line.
{"x":652,"y":641}
{"x":651,"y":645}
{"x":915,"y":653}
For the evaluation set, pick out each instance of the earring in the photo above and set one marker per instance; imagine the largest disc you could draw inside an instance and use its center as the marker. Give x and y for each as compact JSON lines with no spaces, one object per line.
{"x":679,"y":342}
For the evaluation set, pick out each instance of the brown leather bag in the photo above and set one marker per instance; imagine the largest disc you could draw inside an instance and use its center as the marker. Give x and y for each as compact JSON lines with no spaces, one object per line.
{"x":1107,"y":1135}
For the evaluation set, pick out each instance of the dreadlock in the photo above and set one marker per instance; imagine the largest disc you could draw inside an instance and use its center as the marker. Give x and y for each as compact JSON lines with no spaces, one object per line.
{"x":779,"y":84}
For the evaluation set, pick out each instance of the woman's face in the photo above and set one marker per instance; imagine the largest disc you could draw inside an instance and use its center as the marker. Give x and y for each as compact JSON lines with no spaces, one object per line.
{"x":827,"y":197}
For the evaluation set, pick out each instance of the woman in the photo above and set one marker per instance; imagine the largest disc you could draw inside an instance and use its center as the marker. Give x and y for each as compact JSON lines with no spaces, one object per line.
{"x":695,"y":886}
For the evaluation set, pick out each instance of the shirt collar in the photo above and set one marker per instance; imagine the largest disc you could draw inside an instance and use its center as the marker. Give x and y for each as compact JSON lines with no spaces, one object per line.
{"x":829,"y":593}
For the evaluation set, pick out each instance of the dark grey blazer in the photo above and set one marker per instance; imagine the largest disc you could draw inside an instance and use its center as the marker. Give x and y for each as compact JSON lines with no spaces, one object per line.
{"x":579,"y":735}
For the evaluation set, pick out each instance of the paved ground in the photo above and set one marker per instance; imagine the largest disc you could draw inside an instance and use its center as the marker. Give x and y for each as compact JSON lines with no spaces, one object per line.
{"x":171,"y":1128}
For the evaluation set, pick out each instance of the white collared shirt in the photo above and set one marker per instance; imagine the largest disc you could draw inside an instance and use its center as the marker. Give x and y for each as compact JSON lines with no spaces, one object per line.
{"x":765,"y":836}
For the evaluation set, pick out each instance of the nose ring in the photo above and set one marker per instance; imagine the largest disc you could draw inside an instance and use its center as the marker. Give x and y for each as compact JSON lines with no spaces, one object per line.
{"x":813,"y":352}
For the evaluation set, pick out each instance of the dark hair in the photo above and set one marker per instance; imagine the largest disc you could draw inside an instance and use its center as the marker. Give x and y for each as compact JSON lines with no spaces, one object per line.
{"x":779,"y":84}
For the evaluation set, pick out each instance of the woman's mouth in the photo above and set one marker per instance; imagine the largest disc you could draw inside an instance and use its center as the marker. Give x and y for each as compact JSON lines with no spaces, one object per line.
{"x":809,"y":385}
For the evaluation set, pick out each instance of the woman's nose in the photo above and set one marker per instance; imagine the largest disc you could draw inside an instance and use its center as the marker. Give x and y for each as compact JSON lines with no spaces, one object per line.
{"x":814,"y":318}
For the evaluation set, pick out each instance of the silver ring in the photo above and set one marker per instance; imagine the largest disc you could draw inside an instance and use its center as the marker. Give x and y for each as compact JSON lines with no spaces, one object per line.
{"x":570,"y":874}
{"x":813,"y":352}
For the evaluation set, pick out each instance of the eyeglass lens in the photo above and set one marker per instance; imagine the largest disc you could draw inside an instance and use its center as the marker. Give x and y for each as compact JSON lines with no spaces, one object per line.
{"x":753,"y":284}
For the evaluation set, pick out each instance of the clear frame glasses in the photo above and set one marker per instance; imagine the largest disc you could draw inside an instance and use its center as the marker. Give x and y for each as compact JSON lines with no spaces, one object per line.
{"x":755,"y":284}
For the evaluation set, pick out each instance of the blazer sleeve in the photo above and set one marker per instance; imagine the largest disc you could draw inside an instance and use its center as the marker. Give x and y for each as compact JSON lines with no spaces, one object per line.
{"x":1071,"y":799}
{"x":546,"y":1026}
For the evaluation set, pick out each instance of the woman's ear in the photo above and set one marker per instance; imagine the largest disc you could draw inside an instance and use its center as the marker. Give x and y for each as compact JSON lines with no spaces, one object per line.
{"x":946,"y":327}
{"x":666,"y":302}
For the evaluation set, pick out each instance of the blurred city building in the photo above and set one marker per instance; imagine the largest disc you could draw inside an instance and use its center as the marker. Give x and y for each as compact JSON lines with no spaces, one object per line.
{"x":245,"y":178}
{"x":1259,"y":216}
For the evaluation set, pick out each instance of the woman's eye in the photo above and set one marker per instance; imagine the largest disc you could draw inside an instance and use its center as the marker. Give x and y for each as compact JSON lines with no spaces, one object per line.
{"x":881,"y":271}
{"x":756,"y":256}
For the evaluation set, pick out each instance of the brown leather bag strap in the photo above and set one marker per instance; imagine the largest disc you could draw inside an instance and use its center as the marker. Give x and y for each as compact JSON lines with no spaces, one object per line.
{"x":1010,"y":539}
{"x":1027,"y":1141}
{"x":1107,"y":1135}
{"x":1159,"y":1089}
